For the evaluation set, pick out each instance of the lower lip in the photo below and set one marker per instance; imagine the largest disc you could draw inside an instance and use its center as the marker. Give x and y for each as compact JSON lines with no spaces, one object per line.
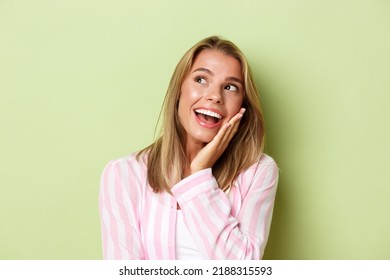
{"x":207,"y":125}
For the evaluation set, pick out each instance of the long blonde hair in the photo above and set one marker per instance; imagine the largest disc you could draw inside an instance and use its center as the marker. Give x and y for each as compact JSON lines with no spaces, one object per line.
{"x":166,"y":158}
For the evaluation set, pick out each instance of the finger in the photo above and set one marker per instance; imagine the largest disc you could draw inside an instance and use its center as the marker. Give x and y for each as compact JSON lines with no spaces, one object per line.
{"x":232,"y":126}
{"x":237,"y":117}
{"x":228,"y":130}
{"x":218,"y":139}
{"x":235,"y":121}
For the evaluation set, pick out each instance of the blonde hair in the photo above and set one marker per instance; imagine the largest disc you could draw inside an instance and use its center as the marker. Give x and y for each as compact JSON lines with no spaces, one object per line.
{"x":166,"y":158}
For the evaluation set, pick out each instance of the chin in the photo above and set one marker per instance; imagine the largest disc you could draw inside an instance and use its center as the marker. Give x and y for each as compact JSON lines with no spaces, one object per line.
{"x":205,"y":137}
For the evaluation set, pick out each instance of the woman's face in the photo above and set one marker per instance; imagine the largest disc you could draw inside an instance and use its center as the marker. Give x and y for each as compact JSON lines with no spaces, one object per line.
{"x":211,"y":94}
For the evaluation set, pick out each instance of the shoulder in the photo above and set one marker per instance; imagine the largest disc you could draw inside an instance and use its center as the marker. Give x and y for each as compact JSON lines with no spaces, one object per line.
{"x":129,"y":160}
{"x":263,"y":172}
{"x":123,"y":183}
{"x":129,"y":166}
{"x":264,"y":164}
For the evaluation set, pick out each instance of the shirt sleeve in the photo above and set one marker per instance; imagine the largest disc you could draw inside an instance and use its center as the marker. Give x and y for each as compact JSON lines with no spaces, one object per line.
{"x":117,"y":207}
{"x":207,"y":212}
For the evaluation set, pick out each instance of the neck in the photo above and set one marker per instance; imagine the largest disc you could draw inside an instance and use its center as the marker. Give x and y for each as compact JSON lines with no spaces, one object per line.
{"x":191,"y":149}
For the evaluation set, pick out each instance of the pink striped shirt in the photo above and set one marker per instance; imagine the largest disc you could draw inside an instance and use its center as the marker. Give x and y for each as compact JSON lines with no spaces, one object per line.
{"x":140,"y":224}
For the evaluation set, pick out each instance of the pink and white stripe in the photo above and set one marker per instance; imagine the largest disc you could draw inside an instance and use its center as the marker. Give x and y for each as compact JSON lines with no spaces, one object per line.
{"x":140,"y":224}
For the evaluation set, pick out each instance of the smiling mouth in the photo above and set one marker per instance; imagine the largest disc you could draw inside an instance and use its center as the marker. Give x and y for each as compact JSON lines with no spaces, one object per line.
{"x":208,"y":117}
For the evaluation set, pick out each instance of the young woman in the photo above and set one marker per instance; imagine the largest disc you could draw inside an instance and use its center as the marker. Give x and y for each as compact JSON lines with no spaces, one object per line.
{"x":204,"y":189}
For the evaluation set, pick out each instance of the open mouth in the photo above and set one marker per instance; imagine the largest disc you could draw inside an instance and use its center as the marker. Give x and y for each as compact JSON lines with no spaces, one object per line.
{"x":207,"y":117}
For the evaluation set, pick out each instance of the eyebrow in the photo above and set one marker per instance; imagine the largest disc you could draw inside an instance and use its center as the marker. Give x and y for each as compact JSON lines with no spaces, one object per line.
{"x":234,"y":79}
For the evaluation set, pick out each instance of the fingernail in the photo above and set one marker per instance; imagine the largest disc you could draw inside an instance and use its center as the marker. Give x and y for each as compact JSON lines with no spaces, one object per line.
{"x":243,"y":110}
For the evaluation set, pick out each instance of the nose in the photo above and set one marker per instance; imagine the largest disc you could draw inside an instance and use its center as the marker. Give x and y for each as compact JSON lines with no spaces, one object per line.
{"x":214,"y":95}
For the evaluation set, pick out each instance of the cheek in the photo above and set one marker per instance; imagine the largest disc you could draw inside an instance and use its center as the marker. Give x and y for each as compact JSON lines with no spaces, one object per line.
{"x":181,"y":110}
{"x":188,"y":97}
{"x":184,"y":106}
{"x":190,"y":91}
{"x":234,"y":106}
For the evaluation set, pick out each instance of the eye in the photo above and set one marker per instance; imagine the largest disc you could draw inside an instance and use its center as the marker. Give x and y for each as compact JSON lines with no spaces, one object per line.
{"x":231,"y":87}
{"x":200,"y":80}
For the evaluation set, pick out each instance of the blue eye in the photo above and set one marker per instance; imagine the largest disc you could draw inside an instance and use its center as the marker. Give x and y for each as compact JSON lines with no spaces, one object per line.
{"x":231,"y":88}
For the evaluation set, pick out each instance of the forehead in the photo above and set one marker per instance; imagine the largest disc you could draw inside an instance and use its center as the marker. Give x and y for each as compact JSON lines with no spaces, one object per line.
{"x":218,"y":63}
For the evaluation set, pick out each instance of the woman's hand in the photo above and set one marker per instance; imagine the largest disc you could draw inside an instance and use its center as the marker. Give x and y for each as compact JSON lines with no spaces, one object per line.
{"x":210,"y":153}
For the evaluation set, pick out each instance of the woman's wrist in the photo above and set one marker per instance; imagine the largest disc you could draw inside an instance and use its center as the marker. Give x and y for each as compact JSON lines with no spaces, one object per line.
{"x":197,"y":169}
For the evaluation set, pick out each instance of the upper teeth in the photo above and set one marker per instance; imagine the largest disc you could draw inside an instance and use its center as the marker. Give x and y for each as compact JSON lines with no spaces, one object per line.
{"x":208,"y":113}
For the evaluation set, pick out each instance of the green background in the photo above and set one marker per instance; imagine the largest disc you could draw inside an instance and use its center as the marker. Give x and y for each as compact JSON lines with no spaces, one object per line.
{"x":82,"y":82}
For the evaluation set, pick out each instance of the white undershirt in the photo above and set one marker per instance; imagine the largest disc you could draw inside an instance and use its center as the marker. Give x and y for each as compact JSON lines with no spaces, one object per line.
{"x":186,"y":248}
